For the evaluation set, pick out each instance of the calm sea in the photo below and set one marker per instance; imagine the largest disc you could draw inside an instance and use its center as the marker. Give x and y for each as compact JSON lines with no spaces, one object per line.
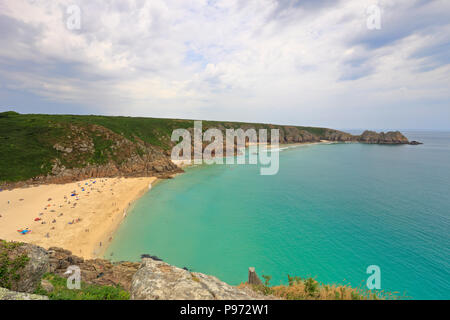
{"x":330,"y":212}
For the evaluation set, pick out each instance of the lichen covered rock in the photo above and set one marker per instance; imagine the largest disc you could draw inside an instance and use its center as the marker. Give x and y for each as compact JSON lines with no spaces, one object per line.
{"x":157,"y":280}
{"x":6,"y":294}
{"x":24,"y":266}
{"x":96,"y":271}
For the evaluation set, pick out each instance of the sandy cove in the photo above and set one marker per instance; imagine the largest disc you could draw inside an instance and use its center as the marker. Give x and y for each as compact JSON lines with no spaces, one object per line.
{"x":81,"y":216}
{"x":189,"y":163}
{"x":291,"y":145}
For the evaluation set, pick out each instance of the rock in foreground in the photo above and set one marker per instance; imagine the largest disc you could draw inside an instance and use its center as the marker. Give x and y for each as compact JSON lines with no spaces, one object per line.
{"x":157,"y":280}
{"x":6,"y":294}
{"x":23,"y":266}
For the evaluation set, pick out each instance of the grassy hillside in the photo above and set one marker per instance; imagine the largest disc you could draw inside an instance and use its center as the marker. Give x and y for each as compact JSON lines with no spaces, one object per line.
{"x":27,"y":140}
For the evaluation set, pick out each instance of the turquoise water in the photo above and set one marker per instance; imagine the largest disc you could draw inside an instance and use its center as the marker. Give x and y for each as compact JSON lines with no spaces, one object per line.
{"x":330,"y":212}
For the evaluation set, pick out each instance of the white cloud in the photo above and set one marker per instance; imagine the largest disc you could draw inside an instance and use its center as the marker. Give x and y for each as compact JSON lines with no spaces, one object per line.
{"x":262,"y":60}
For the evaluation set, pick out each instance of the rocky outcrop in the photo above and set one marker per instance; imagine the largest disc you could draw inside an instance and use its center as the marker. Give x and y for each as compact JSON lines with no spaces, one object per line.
{"x":392,"y":137}
{"x":338,"y":136}
{"x":134,"y":167}
{"x":37,"y":265}
{"x":84,"y":151}
{"x":152,"y":279}
{"x":6,"y":294}
{"x":120,"y":156}
{"x":295,"y":135}
{"x":87,"y":147}
{"x":117,"y":157}
{"x":157,"y":280}
{"x":25,"y":265}
{"x":97,"y":271}
{"x":253,"y":278}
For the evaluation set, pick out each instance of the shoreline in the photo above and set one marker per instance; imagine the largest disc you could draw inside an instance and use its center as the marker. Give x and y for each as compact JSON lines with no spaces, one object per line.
{"x":189,"y":163}
{"x":109,"y":236}
{"x":84,"y":226}
{"x":83,"y":222}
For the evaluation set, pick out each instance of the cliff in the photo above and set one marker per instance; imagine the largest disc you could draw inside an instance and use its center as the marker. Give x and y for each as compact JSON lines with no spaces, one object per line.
{"x":29,"y":272}
{"x":26,"y":269}
{"x":37,"y":149}
{"x":383,"y":138}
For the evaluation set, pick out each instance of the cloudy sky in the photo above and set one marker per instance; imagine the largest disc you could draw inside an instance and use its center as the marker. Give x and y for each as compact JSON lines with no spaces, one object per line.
{"x":305,"y":62}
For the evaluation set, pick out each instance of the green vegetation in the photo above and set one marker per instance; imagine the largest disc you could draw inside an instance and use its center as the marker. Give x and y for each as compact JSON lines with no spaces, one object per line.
{"x":13,"y":259}
{"x":27,"y":140}
{"x":309,"y":289}
{"x":9,"y":265}
{"x":87,"y":291}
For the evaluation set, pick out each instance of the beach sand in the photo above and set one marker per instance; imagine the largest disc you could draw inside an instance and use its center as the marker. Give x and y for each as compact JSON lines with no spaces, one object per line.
{"x":290,"y":145}
{"x":81,"y":216}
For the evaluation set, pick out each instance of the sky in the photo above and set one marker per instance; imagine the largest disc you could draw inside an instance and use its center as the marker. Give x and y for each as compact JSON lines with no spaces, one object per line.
{"x":342,"y":64}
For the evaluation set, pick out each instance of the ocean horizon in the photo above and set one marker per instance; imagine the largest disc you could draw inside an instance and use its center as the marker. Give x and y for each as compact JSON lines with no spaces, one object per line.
{"x":330,"y":212}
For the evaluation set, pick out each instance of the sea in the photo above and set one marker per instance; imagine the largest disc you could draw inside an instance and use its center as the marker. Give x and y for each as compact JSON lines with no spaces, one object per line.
{"x":330,"y":212}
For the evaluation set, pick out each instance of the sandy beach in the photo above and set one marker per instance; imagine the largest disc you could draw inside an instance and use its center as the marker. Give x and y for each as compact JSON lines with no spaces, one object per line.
{"x":81,"y":216}
{"x":289,"y":145}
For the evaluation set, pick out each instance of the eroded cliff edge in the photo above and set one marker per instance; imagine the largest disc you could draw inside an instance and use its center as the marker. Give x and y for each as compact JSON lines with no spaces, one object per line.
{"x":25,"y":267}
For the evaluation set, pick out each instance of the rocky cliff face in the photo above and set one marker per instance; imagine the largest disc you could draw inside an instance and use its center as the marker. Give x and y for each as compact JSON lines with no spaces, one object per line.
{"x":157,"y":280}
{"x":149,"y":280}
{"x":114,"y":156}
{"x":128,"y":158}
{"x":61,"y":149}
{"x":383,"y":138}
{"x":97,"y":271}
{"x":339,"y":136}
{"x":370,"y":137}
{"x":6,"y":294}
{"x":296,"y":135}
{"x":22,"y":266}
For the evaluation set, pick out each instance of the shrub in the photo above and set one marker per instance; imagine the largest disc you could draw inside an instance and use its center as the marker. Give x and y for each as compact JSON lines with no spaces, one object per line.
{"x":310,"y":289}
{"x":87,"y":291}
